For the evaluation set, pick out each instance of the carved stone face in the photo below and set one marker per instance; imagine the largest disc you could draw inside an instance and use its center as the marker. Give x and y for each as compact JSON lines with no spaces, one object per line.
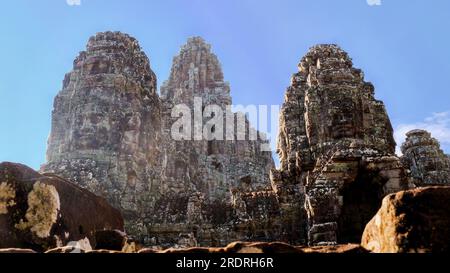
{"x":343,"y":120}
{"x":332,"y":115}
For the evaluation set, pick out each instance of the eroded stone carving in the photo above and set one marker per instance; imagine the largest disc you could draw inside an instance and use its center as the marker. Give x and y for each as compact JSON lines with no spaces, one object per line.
{"x":422,"y":154}
{"x":106,"y":126}
{"x":336,"y":148}
{"x":111,"y":134}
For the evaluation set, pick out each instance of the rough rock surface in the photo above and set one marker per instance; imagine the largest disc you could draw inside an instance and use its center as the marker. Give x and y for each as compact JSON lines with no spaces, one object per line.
{"x":110,"y":239}
{"x":111,"y":135}
{"x":66,"y":250}
{"x":212,"y":167}
{"x":411,"y":221}
{"x":106,"y":126}
{"x":336,"y":148}
{"x":422,"y":154}
{"x":17,"y":251}
{"x":205,"y":180}
{"x":42,"y":212}
{"x":232,"y":248}
{"x":267,"y":248}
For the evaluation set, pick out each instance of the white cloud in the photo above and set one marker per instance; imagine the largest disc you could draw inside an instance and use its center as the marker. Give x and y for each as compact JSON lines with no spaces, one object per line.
{"x":438,"y":125}
{"x":374,"y":2}
{"x":73,"y":2}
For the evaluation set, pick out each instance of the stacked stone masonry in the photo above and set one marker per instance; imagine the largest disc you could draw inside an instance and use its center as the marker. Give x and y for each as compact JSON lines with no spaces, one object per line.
{"x":336,"y":148}
{"x":113,"y":135}
{"x":422,"y":154}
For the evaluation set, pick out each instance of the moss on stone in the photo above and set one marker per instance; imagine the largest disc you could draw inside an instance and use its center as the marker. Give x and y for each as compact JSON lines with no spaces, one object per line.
{"x":43,"y":208}
{"x":7,"y":195}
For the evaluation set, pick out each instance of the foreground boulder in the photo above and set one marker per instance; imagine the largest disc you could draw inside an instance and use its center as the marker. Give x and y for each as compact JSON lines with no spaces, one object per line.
{"x":411,"y":221}
{"x":42,"y":212}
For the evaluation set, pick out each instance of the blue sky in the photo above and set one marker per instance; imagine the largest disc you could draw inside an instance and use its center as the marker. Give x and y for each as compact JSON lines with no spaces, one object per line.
{"x":401,"y":45}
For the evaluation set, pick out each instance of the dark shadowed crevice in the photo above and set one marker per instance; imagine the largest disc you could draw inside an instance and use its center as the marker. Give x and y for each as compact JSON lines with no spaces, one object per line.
{"x":361,"y":201}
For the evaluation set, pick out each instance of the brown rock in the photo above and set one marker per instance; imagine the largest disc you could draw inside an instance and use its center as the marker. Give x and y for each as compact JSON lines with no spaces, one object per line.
{"x":104,"y":251}
{"x":110,"y":240}
{"x":233,"y":248}
{"x":17,"y":251}
{"x":342,"y":249}
{"x":147,"y":251}
{"x":66,"y":250}
{"x":411,"y":221}
{"x":267,"y":248}
{"x":241,"y":247}
{"x":42,"y":212}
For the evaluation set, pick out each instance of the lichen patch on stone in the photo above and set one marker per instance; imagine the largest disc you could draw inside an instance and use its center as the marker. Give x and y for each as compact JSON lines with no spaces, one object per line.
{"x":7,"y":195}
{"x":43,"y":209}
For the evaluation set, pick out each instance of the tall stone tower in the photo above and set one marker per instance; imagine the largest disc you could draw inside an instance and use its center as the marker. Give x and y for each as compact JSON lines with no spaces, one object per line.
{"x":206,"y":174}
{"x":422,"y":154}
{"x":336,"y":148}
{"x":106,"y":126}
{"x":219,"y":163}
{"x":196,"y":72}
{"x":112,"y":134}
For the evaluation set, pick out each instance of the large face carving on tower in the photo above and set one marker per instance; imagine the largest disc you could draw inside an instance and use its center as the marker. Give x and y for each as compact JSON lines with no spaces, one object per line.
{"x":331,"y":96}
{"x":327,"y":106}
{"x":341,"y":117}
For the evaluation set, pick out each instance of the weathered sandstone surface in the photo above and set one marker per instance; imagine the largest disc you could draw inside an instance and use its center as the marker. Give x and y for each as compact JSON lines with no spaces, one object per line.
{"x":42,"y":212}
{"x":336,"y":148}
{"x":422,"y":154}
{"x":197,"y":186}
{"x":111,"y":134}
{"x":414,"y":221}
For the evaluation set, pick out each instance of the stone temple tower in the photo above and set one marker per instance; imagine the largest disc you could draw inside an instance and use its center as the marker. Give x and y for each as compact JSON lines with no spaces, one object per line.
{"x":215,"y":165}
{"x":111,"y":134}
{"x":336,"y":148}
{"x":204,"y":174}
{"x":106,"y":126}
{"x":422,"y":154}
